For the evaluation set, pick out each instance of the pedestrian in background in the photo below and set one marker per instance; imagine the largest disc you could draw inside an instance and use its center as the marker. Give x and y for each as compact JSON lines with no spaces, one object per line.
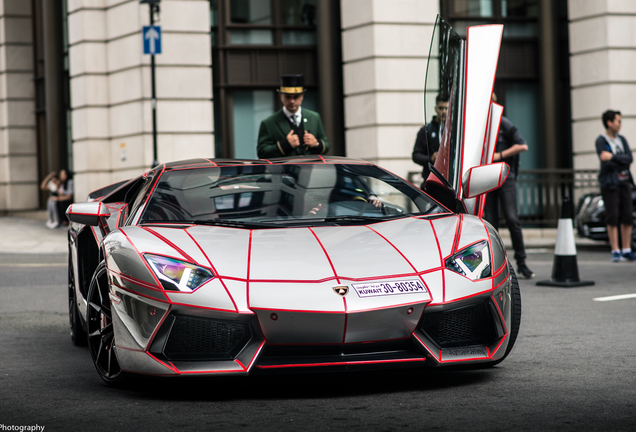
{"x":509,"y":144}
{"x":427,"y":140}
{"x":51,"y":183}
{"x":293,"y":130}
{"x":616,"y":185}
{"x":64,"y":196}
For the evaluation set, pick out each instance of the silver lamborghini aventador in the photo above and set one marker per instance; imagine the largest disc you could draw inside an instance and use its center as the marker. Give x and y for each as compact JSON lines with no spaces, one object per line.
{"x":233,"y":267}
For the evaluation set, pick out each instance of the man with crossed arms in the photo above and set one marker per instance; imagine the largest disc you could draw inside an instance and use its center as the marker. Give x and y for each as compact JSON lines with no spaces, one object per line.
{"x":292,"y":131}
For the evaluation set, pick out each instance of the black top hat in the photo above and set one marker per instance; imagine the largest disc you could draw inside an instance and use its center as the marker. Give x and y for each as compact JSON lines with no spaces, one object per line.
{"x":292,"y":84}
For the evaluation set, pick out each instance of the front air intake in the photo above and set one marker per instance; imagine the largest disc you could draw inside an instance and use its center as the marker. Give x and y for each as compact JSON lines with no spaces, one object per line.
{"x":194,"y":338}
{"x":469,"y":325}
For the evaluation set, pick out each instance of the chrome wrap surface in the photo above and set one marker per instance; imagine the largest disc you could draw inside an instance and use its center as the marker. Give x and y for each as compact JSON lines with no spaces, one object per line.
{"x":287,"y":278}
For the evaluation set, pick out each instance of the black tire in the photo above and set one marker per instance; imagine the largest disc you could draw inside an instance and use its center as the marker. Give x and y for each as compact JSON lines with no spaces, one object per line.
{"x":515,"y":320}
{"x":101,"y":336}
{"x":76,"y":329}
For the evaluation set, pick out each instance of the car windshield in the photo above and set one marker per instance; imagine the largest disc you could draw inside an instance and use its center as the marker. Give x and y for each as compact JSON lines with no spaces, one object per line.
{"x":284,"y":194}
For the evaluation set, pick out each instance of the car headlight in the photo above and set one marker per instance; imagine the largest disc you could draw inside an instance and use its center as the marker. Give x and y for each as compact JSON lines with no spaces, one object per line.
{"x":176,"y":275}
{"x":472,"y":261}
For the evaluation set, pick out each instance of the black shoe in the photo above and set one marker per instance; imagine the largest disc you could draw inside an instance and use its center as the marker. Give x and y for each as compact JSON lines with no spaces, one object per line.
{"x":524,"y":271}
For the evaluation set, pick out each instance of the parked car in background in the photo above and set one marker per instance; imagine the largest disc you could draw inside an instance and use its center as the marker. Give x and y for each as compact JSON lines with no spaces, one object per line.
{"x":590,"y":217}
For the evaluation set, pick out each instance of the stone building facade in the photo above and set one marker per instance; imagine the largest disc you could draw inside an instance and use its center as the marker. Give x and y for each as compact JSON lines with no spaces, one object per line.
{"x":18,"y":149}
{"x":602,"y":58}
{"x":103,"y":132}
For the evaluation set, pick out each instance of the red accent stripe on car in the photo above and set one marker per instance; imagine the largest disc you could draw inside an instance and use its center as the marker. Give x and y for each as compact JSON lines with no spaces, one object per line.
{"x":441,"y":259}
{"x":326,"y":255}
{"x":403,"y":256}
{"x":436,"y":356}
{"x":136,"y":281}
{"x":171,"y":367}
{"x":342,"y":363}
{"x":213,"y":269}
{"x":152,"y":273}
{"x":184,"y":255}
{"x":256,"y":354}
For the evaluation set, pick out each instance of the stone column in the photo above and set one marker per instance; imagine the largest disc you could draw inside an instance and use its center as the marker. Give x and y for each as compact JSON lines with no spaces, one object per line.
{"x":602,"y":63}
{"x":549,"y":80}
{"x":385,"y":49}
{"x":110,"y":88}
{"x":18,"y":160}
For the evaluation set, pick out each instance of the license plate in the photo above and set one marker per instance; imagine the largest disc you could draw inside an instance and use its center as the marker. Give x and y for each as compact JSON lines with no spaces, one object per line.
{"x":389,"y":288}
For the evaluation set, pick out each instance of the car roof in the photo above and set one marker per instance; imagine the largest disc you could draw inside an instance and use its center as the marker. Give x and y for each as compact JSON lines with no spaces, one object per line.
{"x":104,"y":192}
{"x":313,"y":159}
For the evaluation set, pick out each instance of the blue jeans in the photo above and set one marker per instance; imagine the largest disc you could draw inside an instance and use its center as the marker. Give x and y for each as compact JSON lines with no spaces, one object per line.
{"x":507,"y":196}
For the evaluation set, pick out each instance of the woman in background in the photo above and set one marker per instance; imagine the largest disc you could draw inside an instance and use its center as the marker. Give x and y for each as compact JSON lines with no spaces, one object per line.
{"x":51,"y":183}
{"x":64,"y":195}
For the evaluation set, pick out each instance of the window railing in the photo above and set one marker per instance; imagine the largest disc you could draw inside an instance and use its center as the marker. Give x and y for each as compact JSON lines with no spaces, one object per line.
{"x":540,"y":193}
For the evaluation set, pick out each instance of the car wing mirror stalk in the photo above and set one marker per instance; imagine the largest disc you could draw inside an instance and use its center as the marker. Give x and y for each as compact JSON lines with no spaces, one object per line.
{"x":90,"y":213}
{"x":442,"y":191}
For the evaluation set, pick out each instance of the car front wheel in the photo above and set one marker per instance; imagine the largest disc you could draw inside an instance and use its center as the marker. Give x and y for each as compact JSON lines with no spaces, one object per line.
{"x":101,"y":337}
{"x":515,"y":319}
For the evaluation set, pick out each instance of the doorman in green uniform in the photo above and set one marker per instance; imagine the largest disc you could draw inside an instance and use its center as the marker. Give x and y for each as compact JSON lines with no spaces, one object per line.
{"x":293,"y":130}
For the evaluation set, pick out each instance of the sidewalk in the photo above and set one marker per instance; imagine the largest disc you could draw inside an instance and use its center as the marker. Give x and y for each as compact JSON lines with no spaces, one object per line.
{"x":545,"y":238}
{"x":25,"y":232}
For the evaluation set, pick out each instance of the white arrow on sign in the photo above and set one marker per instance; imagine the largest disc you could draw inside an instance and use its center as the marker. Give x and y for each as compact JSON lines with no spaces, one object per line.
{"x":153,"y":36}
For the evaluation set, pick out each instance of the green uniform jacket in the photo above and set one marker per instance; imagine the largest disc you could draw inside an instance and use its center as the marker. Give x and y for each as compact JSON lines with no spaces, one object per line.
{"x":272,"y":135}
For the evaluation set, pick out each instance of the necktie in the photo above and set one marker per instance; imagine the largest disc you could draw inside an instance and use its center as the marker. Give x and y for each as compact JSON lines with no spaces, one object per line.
{"x":294,"y":119}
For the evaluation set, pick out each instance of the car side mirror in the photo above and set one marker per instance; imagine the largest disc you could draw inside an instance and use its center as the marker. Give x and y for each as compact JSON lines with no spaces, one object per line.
{"x":89,"y":213}
{"x":484,"y":178}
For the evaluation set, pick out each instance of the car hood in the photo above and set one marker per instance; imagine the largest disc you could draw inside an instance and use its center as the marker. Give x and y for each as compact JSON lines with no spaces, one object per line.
{"x":319,"y":272}
{"x":404,"y":248}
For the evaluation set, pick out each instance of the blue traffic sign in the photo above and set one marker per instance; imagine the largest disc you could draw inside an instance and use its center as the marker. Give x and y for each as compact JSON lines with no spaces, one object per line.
{"x":152,"y":39}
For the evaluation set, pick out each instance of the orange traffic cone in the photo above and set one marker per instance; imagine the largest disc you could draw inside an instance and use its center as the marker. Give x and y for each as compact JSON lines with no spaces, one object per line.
{"x":565,"y":270}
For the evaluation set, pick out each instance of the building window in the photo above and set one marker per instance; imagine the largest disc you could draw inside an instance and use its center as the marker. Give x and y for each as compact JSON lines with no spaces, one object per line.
{"x":299,"y":18}
{"x":474,"y":8}
{"x":254,"y":43}
{"x":250,"y":107}
{"x":253,"y":14}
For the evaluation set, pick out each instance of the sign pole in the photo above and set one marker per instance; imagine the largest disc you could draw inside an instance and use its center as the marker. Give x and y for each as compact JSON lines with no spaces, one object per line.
{"x":155,"y":160}
{"x":151,"y":37}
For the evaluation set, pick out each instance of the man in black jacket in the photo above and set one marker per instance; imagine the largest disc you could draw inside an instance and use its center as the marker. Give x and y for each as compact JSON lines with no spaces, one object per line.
{"x":616,"y":185}
{"x":429,"y":135}
{"x":509,"y":144}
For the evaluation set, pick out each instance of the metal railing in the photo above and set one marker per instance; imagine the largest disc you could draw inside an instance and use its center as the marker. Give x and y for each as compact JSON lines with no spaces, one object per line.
{"x":540,"y":192}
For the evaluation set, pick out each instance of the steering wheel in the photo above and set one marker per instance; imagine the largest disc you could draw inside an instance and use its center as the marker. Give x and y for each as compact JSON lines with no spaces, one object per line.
{"x":383,"y":209}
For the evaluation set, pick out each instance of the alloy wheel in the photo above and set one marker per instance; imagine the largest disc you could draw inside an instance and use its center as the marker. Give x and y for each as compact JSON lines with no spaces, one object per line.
{"x":101,"y":337}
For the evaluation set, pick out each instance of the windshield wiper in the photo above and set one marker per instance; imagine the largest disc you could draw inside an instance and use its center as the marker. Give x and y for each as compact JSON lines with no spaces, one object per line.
{"x":215,"y":222}
{"x":359,"y":218}
{"x":234,"y":224}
